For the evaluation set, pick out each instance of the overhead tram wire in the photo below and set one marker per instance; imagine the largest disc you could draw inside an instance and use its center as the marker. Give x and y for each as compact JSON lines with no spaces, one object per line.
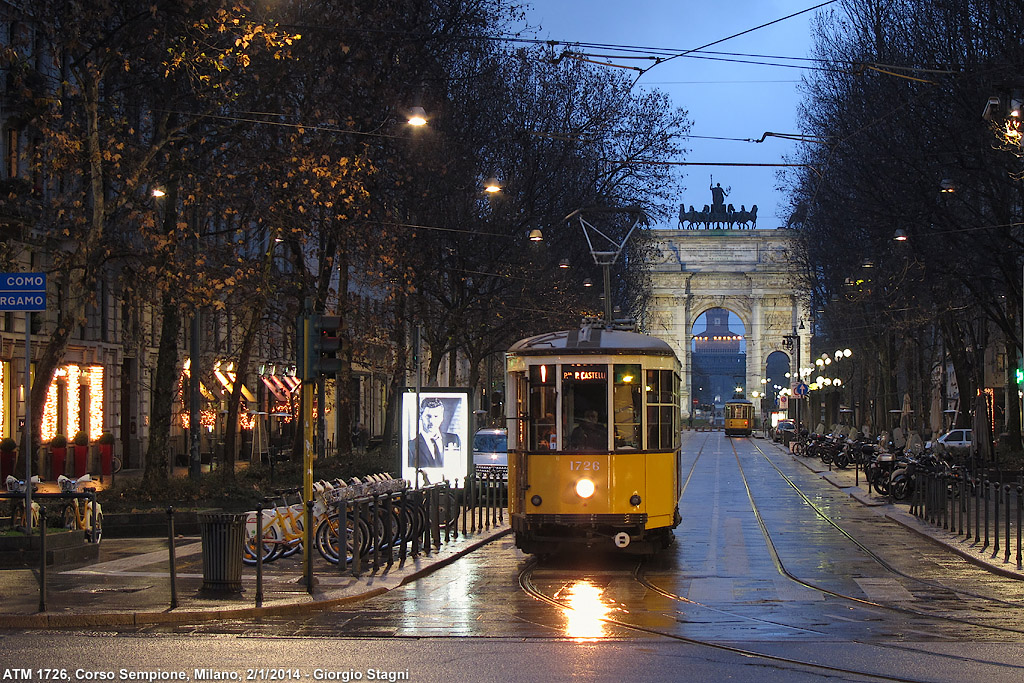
{"x":656,"y":54}
{"x":736,"y":35}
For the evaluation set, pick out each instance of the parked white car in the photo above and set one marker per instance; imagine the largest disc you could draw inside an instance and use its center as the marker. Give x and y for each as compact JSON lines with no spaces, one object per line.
{"x":955,"y":438}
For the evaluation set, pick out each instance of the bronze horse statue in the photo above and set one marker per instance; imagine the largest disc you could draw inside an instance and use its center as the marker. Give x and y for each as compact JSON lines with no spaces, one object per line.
{"x":726,"y":217}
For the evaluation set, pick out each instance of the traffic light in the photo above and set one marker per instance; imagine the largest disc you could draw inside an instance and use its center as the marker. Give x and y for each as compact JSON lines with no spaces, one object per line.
{"x":324,"y":343}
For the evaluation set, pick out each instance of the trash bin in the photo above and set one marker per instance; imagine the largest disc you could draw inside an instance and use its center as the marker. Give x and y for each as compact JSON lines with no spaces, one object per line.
{"x":222,"y":536}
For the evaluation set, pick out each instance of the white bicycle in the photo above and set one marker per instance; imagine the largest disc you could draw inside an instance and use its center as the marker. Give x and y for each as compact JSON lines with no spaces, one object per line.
{"x":78,"y":514}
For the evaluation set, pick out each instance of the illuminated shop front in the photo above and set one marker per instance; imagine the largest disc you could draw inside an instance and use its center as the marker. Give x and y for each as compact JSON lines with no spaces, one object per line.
{"x":74,"y":402}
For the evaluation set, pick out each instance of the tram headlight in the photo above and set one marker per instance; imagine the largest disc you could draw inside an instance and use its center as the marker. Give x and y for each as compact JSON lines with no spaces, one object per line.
{"x":536,"y":501}
{"x":584,"y":488}
{"x":634,"y":500}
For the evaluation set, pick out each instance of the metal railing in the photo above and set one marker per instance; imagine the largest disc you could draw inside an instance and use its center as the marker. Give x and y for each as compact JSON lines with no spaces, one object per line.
{"x":988,"y":513}
{"x":373,"y":532}
{"x":414,"y":521}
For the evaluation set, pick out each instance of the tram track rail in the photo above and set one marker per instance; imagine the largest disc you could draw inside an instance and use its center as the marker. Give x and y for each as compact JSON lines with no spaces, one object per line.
{"x":638,"y":575}
{"x":526,"y":583}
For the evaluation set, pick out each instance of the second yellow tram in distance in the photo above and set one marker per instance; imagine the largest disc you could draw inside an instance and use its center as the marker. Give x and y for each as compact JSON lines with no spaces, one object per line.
{"x":593,"y":438}
{"x":739,"y":417}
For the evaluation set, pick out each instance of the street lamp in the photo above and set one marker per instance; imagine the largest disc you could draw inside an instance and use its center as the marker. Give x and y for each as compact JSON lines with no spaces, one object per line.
{"x":417,"y":116}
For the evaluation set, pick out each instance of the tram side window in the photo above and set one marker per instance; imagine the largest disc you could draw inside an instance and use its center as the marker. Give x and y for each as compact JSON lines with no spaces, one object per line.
{"x":662,"y":411}
{"x":521,"y":425}
{"x":585,"y":406}
{"x":543,"y":436}
{"x":626,"y":404}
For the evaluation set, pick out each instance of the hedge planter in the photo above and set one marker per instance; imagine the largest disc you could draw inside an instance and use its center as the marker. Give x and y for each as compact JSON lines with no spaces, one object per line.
{"x":106,"y":446}
{"x":58,"y":460}
{"x":81,"y":460}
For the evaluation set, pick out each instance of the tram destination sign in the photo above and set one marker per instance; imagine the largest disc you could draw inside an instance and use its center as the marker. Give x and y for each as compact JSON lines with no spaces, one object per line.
{"x":22,"y":291}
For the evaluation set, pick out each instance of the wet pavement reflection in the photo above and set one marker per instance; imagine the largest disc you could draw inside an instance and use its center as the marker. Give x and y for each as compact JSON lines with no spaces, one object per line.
{"x":788,"y":572}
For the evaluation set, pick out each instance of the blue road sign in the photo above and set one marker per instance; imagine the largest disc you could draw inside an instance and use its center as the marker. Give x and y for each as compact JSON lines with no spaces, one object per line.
{"x":22,"y":291}
{"x":800,"y":389}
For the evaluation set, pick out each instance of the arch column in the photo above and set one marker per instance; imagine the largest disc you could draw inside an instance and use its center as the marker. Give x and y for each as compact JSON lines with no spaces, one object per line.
{"x":755,"y":351}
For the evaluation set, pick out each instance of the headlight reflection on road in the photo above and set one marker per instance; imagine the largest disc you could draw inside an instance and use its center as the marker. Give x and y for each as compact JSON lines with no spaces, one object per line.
{"x":585,"y":611}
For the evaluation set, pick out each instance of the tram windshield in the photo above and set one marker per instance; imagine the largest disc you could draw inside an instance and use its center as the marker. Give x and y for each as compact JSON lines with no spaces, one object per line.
{"x":596,"y":407}
{"x":585,"y":406}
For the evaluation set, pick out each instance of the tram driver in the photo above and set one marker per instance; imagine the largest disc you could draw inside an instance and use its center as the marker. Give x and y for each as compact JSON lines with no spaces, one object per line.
{"x":589,"y":435}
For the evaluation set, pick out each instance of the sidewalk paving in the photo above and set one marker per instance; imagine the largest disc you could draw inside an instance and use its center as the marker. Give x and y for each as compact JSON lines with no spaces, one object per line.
{"x":899,"y":512}
{"x":130,"y":585}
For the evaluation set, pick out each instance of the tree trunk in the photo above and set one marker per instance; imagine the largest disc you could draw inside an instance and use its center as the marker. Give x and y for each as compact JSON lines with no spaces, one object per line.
{"x":235,"y":399}
{"x":393,"y":400}
{"x":343,"y":394}
{"x":164,"y":390}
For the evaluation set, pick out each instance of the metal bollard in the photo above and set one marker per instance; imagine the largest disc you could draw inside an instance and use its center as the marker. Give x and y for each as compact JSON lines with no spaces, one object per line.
{"x":1006,"y":498}
{"x":473,"y":494}
{"x":403,"y":526}
{"x":42,"y":556}
{"x":447,"y":513}
{"x":433,"y":514}
{"x":977,"y":511}
{"x":960,"y":504}
{"x":488,"y":499}
{"x":481,"y":502}
{"x":944,"y":493}
{"x":259,"y":554}
{"x":308,"y":543}
{"x":995,"y":523}
{"x":465,"y":503}
{"x":1020,"y":489}
{"x":965,"y":497}
{"x":416,"y":534}
{"x":984,"y":493}
{"x":428,"y":508}
{"x":173,"y":562}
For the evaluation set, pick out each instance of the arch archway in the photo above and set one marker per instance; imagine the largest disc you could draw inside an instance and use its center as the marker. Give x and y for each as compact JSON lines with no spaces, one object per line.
{"x":749,"y":273}
{"x":718,"y":352}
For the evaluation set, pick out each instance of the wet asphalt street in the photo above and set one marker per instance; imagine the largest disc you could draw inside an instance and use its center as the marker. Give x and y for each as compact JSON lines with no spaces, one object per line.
{"x":769,"y":558}
{"x":753,"y":560}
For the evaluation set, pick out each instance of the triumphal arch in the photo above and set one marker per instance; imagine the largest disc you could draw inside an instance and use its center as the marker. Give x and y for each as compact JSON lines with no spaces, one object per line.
{"x":750,"y":272}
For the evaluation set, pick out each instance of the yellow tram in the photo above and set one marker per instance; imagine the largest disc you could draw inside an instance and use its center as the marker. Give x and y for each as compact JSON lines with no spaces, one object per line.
{"x":739,"y":417}
{"x":593,"y":440}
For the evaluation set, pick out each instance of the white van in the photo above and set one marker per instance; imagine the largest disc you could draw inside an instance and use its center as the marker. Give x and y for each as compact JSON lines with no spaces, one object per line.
{"x":490,"y":451}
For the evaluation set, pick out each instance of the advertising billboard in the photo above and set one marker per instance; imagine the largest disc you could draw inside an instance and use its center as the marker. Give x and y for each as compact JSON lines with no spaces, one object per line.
{"x":435,"y":435}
